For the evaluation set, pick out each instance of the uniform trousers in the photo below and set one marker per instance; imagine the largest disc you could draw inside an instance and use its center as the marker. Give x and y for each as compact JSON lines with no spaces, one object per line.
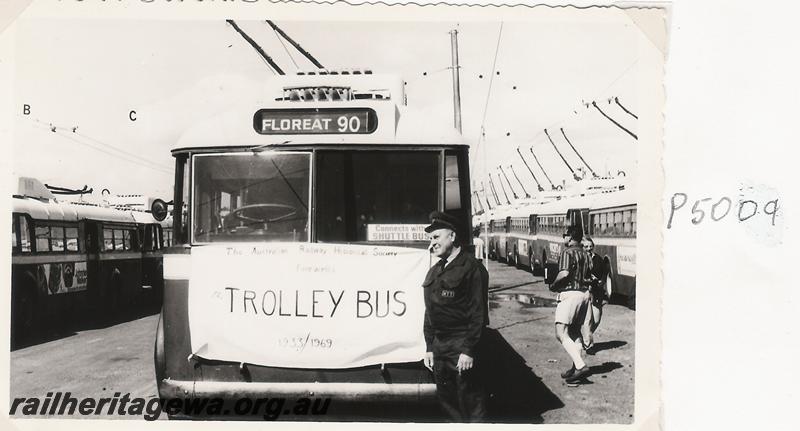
{"x":461,"y":396}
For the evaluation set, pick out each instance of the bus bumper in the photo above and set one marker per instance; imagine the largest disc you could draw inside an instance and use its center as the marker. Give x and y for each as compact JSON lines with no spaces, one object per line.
{"x":373,"y":392}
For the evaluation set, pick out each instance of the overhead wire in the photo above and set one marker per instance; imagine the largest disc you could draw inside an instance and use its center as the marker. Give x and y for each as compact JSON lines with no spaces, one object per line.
{"x":56,"y":129}
{"x":96,"y":148}
{"x":488,"y":95}
{"x":285,"y":48}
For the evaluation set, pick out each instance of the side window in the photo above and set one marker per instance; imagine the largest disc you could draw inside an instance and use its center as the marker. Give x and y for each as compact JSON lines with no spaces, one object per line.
{"x":14,"y":233}
{"x":72,"y":239}
{"x":57,"y":238}
{"x":181,"y":208}
{"x":42,"y":238}
{"x":626,"y":222}
{"x":617,"y":222}
{"x":118,"y":240}
{"x":108,"y":239}
{"x":452,"y":185}
{"x":126,"y":239}
{"x":633,"y":222}
{"x":24,"y":235}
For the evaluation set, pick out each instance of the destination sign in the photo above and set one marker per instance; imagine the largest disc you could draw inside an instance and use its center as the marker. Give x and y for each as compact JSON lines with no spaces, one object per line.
{"x":315,"y":121}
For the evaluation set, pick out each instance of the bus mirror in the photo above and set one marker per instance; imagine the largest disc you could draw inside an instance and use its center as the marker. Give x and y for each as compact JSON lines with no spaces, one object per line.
{"x":159,"y":209}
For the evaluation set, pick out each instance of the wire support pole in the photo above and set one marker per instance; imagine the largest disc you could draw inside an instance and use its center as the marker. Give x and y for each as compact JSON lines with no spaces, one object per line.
{"x":456,"y":80}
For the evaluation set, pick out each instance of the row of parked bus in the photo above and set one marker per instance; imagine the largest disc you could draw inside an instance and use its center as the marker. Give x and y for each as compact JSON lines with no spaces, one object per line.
{"x":74,"y":261}
{"x":530,"y":235}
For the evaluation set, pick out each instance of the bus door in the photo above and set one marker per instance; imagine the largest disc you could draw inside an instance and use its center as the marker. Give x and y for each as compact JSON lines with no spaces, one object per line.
{"x":535,"y":261}
{"x":151,"y":243}
{"x":119,"y":272}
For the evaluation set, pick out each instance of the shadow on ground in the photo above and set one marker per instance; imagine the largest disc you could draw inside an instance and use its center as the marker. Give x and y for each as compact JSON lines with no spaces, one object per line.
{"x":517,"y":394}
{"x":607,"y":345}
{"x":68,"y":327}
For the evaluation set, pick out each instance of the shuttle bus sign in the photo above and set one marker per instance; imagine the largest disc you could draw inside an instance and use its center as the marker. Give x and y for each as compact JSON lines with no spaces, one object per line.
{"x":396,"y":232}
{"x":315,"y":121}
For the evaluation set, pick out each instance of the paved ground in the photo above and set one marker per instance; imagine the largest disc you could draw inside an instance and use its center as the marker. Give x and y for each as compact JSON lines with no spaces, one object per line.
{"x":525,"y":360}
{"x":528,"y":329}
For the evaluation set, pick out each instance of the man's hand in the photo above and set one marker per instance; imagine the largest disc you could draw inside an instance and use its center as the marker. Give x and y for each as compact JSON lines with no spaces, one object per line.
{"x":428,"y":360}
{"x":465,"y":363}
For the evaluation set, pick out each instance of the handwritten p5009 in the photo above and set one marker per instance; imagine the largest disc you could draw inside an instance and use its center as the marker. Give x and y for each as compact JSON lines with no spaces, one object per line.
{"x":717,"y":209}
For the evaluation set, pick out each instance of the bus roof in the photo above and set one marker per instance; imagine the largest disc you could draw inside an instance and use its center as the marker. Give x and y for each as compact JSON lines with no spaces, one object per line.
{"x":397,"y":124}
{"x":57,"y":211}
{"x":593,"y":201}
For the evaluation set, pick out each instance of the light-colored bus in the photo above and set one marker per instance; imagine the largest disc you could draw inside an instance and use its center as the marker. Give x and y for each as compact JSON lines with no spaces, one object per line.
{"x":299,"y":249}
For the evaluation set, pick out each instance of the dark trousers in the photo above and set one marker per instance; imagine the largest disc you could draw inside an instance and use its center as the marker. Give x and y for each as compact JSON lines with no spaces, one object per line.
{"x":462,"y":396}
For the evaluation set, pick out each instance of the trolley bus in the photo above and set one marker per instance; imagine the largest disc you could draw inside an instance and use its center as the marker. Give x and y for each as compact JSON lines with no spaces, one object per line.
{"x":77,"y":261}
{"x":531,"y":235}
{"x":299,"y":247}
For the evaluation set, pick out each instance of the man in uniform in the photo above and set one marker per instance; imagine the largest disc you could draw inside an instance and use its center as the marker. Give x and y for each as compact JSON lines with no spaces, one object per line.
{"x":455,"y":315}
{"x":572,"y":283}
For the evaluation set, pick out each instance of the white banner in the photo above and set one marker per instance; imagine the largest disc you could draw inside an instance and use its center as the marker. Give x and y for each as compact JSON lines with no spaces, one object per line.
{"x":303,"y":305}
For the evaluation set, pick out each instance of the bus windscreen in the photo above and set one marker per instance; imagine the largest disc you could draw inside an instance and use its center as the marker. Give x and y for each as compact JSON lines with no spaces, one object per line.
{"x":251,"y":197}
{"x":375,"y":196}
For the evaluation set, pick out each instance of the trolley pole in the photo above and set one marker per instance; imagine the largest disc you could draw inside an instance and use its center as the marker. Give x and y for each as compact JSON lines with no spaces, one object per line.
{"x":456,"y":84}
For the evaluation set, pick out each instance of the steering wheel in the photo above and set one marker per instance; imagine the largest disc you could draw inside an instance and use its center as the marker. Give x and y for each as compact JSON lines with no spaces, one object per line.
{"x":266,"y":211}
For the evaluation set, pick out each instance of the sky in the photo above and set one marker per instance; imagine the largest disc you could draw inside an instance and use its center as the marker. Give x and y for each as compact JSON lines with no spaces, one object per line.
{"x":90,"y":74}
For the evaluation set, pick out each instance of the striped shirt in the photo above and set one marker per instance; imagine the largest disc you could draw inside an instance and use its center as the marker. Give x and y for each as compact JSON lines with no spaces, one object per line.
{"x":576,"y":261}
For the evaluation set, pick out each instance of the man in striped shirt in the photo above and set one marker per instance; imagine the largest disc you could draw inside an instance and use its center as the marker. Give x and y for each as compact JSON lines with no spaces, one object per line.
{"x":572,"y":283}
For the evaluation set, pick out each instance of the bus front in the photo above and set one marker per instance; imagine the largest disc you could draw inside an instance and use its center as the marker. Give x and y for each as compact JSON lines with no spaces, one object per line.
{"x":299,"y":249}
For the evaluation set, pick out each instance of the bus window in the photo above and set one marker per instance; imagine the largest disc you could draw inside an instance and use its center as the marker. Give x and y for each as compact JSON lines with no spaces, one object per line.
{"x":57,"y":238}
{"x":452,"y":188}
{"x":633,"y":222}
{"x":251,"y":197}
{"x":617,"y":222}
{"x":626,"y":222}
{"x":356,"y":189}
{"x":24,"y":235}
{"x":126,"y":239}
{"x":14,"y":233}
{"x":180,"y":213}
{"x":72,"y":238}
{"x":118,"y":244}
{"x":108,"y":239}
{"x":42,"y":238}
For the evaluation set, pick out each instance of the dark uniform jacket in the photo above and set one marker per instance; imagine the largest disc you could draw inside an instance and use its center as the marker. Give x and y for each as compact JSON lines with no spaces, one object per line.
{"x":456,"y":302}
